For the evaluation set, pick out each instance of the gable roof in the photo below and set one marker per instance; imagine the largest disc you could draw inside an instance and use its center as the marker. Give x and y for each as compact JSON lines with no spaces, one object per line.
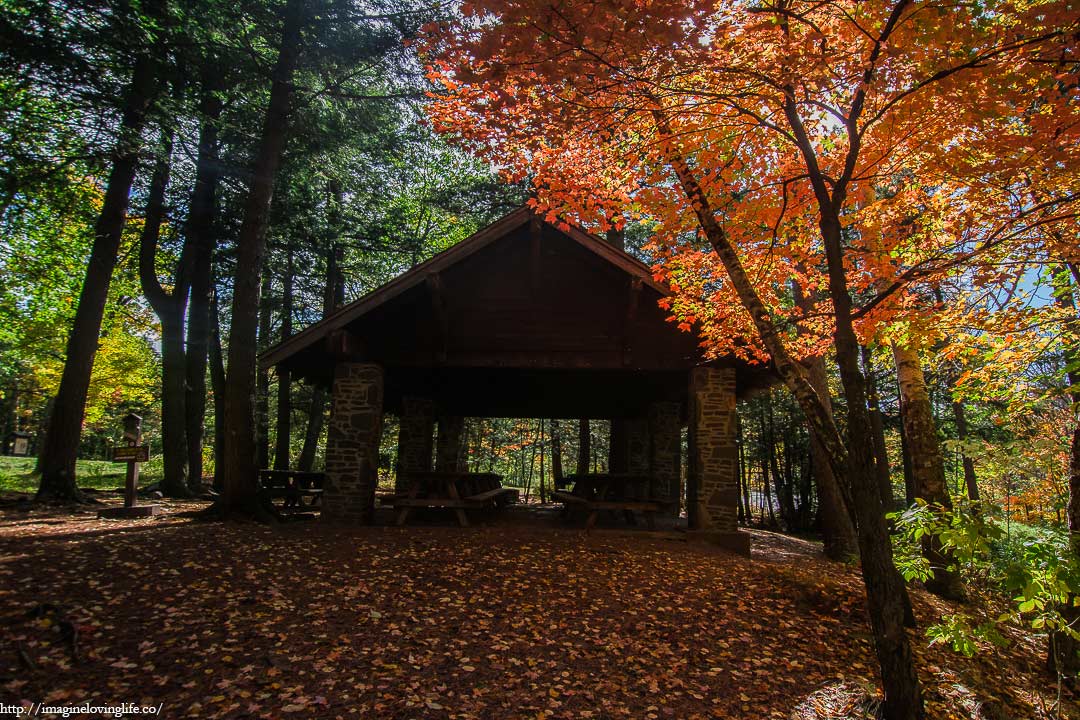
{"x":347,"y":314}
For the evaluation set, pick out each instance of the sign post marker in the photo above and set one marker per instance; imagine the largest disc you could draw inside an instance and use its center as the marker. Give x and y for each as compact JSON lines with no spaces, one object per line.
{"x":132,"y":452}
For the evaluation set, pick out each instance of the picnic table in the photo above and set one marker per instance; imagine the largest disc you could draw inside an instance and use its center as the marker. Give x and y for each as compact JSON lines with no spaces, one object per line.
{"x":457,"y":491}
{"x":597,"y":492}
{"x":293,"y":486}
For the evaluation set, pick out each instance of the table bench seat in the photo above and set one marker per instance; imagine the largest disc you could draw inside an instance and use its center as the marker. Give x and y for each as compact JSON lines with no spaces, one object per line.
{"x":648,"y":508}
{"x":406,"y":502}
{"x":498,"y":495}
{"x":292,"y":486}
{"x":457,"y":491}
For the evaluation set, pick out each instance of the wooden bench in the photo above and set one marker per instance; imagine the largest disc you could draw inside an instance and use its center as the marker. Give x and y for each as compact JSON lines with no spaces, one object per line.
{"x":648,"y":508}
{"x":500,"y":496}
{"x":457,"y":491}
{"x":293,"y":486}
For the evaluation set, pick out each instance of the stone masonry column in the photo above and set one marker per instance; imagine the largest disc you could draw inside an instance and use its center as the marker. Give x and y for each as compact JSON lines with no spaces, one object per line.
{"x":448,"y":445}
{"x":352,"y":442}
{"x":664,"y":453}
{"x":415,"y":439}
{"x":637,"y":441}
{"x":618,"y":447}
{"x":713,"y":463}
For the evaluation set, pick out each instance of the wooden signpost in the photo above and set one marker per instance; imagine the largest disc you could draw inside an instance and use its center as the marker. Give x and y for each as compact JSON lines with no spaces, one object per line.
{"x":132,"y":452}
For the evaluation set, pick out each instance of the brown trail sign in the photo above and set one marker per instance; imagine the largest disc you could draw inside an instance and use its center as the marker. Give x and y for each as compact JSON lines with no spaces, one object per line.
{"x":131,"y":453}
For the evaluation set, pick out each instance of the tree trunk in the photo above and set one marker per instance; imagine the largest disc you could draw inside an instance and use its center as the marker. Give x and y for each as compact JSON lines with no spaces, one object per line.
{"x":877,"y":427}
{"x":837,"y":525}
{"x":217,"y":384}
{"x":835,"y":518}
{"x":743,"y":516}
{"x":785,"y":489}
{"x":65,"y":422}
{"x":768,"y":448}
{"x":200,"y":234}
{"x":241,"y":472}
{"x":1064,"y":651}
{"x":927,"y":465}
{"x":543,"y":485}
{"x":584,"y":451}
{"x":852,"y":460}
{"x":169,"y":307}
{"x":174,"y":482}
{"x":316,"y":413}
{"x":556,"y":455}
{"x":11,"y":410}
{"x":333,"y":295}
{"x":39,"y":440}
{"x":971,"y":483}
{"x":262,"y":383}
{"x":284,"y":401}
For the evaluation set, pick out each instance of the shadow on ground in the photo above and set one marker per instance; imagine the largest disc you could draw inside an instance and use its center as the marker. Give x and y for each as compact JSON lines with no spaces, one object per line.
{"x":497,"y":621}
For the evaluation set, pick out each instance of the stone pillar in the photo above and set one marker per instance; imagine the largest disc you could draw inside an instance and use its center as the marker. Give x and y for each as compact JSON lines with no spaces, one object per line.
{"x":352,"y":442}
{"x":448,"y":445}
{"x":637,"y":442}
{"x":618,"y":447}
{"x":713,"y":464}
{"x":415,"y":438}
{"x":665,"y":456}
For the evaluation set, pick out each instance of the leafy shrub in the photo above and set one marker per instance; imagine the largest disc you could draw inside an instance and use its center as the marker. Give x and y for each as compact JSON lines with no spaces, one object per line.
{"x":1033,"y":566}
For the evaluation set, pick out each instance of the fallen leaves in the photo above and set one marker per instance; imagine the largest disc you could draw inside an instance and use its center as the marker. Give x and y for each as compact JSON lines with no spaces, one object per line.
{"x":432,"y":622}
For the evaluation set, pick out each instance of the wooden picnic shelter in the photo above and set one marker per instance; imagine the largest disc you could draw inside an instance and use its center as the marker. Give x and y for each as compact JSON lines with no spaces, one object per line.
{"x":524,"y":319}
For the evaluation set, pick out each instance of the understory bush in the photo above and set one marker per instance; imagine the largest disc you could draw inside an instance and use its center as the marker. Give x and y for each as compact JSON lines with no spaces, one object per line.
{"x":1028,"y":567}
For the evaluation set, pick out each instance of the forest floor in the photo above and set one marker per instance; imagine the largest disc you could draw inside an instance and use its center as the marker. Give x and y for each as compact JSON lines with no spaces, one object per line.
{"x":234,"y":620}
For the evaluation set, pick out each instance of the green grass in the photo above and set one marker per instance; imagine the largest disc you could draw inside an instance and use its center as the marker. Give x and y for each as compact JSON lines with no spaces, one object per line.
{"x":16,"y":474}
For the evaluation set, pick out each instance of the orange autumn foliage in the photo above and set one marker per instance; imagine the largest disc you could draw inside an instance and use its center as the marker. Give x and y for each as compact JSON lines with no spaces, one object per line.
{"x":958,"y":152}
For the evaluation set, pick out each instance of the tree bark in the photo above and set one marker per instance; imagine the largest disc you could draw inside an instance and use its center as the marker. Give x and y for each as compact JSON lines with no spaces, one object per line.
{"x":284,"y":400}
{"x":262,"y":383}
{"x":768,"y":450}
{"x":217,"y":384}
{"x":241,"y":472}
{"x":39,"y":440}
{"x":543,"y":485}
{"x":11,"y":409}
{"x":556,"y":455}
{"x":927,"y":465}
{"x":905,"y":451}
{"x":584,"y":452}
{"x":1063,"y":654}
{"x":169,"y":307}
{"x":837,"y":525}
{"x":971,"y":482}
{"x":200,"y":234}
{"x":744,"y":484}
{"x":333,"y":296}
{"x":877,"y":426}
{"x":65,"y":422}
{"x":313,"y":430}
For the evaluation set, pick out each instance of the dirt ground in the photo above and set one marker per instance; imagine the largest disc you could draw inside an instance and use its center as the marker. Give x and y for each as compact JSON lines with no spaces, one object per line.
{"x":434,"y":621}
